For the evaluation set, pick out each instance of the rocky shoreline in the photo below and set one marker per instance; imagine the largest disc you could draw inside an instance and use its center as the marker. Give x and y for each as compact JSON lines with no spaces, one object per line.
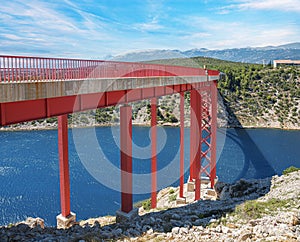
{"x":53,"y":126}
{"x":249,"y":210}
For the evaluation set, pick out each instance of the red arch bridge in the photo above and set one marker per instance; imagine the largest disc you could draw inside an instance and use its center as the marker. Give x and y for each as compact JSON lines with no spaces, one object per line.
{"x":35,"y":88}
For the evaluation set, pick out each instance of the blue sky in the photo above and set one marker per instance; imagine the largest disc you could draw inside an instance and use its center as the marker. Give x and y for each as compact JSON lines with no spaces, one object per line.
{"x":94,"y":28}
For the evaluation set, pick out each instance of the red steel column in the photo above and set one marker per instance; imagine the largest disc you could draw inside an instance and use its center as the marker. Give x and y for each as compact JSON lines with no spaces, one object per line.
{"x":126,"y":158}
{"x":192,"y":134}
{"x":181,"y":181}
{"x":64,"y":165}
{"x":195,"y":137}
{"x":214,"y":110}
{"x":153,"y":152}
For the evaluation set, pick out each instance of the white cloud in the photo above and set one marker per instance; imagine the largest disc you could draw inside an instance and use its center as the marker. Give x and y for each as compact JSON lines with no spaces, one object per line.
{"x":11,"y":36}
{"x":38,"y":14}
{"x":155,"y":10}
{"x":219,"y":34}
{"x":42,"y":26}
{"x":280,"y":5}
{"x":197,"y":35}
{"x":223,"y":11}
{"x":149,"y":26}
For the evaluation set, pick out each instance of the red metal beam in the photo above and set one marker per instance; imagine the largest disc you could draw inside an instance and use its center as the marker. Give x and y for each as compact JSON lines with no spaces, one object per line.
{"x":64,"y":165}
{"x":160,"y":91}
{"x":177,"y":88}
{"x":63,"y":105}
{"x":181,"y":144}
{"x":2,"y":114}
{"x":16,"y":112}
{"x":126,"y":158}
{"x":134,"y":95}
{"x":51,"y":107}
{"x":93,"y":100}
{"x":148,"y":92}
{"x":153,"y":151}
{"x":115,"y":97}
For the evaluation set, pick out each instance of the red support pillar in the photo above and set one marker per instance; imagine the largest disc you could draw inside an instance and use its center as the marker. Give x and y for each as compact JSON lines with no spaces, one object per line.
{"x":126,"y":158}
{"x":192,"y":134}
{"x":153,"y":152}
{"x":195,"y":137}
{"x":64,"y":165}
{"x":214,"y":110}
{"x":66,"y":218}
{"x":181,"y":181}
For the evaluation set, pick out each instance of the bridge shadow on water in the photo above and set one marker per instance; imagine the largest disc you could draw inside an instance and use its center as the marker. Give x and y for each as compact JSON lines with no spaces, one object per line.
{"x":255,"y":163}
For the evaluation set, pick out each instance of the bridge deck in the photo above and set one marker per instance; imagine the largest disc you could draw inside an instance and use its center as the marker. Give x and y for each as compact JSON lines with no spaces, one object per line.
{"x":34,"y":88}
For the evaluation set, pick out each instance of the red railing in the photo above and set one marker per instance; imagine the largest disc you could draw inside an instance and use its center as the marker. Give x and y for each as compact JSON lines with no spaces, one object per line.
{"x":21,"y":68}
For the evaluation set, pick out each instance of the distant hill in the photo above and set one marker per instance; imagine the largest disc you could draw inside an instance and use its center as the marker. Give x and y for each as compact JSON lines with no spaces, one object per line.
{"x":257,"y":55}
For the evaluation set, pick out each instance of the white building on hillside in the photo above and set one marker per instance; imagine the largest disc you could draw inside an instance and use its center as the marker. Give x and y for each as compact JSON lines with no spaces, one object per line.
{"x":277,"y":63}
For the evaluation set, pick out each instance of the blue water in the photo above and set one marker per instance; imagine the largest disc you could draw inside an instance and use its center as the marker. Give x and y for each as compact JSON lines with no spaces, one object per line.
{"x":29,"y":175}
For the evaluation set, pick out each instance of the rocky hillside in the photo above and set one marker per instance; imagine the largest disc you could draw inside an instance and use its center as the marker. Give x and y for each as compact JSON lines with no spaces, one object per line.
{"x":249,"y":210}
{"x":254,"y":95}
{"x":262,"y":97}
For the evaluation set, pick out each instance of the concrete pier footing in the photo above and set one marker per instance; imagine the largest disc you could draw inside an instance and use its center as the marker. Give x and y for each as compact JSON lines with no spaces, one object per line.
{"x":204,"y":180}
{"x":65,"y":222}
{"x":122,"y":216}
{"x":180,"y":200}
{"x":190,"y":185}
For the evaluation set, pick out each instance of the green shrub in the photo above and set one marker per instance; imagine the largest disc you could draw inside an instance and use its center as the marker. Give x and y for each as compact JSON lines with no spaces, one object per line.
{"x":254,"y":209}
{"x":172,"y":198}
{"x":171,"y":191}
{"x":290,"y":169}
{"x":51,"y":120}
{"x":147,"y":204}
{"x":172,"y":119}
{"x":84,"y":120}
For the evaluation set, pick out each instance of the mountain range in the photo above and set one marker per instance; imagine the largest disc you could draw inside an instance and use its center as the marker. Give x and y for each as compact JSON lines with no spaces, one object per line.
{"x":260,"y":55}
